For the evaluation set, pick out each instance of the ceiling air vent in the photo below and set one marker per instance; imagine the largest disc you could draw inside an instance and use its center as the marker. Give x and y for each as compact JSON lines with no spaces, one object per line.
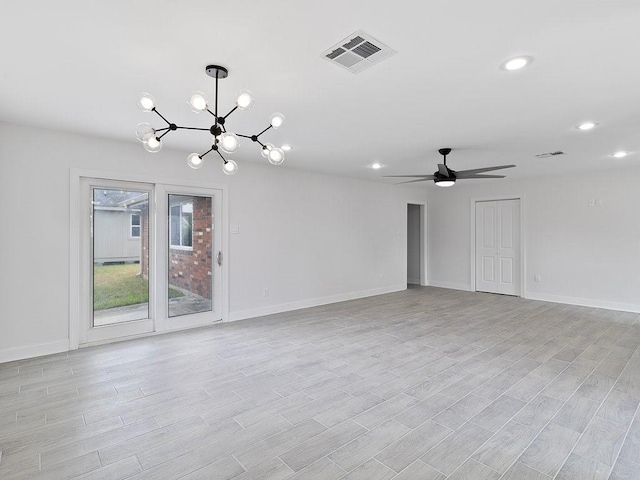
{"x":549,"y":154}
{"x":358,"y":52}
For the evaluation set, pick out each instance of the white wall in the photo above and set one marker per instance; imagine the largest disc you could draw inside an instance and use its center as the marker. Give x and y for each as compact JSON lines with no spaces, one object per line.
{"x":308,"y":238}
{"x":413,"y":244}
{"x":586,"y":255}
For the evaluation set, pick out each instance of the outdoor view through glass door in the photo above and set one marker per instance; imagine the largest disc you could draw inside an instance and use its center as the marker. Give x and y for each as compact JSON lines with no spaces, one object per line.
{"x":190,"y":266}
{"x":148,"y":258}
{"x":120,"y":273}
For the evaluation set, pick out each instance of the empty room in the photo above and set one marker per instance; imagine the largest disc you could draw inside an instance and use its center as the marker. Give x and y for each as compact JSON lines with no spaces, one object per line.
{"x":320,"y":240}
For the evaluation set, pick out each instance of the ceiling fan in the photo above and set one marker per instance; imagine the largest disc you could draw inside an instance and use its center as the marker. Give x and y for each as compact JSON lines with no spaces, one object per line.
{"x":445,"y":177}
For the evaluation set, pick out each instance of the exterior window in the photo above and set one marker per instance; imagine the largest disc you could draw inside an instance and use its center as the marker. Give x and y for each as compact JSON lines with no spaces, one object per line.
{"x":135,"y":225}
{"x":181,"y":225}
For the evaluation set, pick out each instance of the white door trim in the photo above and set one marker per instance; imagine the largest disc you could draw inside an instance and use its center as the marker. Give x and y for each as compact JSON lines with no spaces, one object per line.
{"x":75,"y":253}
{"x":423,"y":242}
{"x":472,"y":242}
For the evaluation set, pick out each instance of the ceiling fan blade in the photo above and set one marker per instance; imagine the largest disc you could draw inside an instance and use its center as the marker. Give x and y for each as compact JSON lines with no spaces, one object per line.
{"x":482,"y":170}
{"x":421,"y":176}
{"x":443,"y":170}
{"x":471,"y":177}
{"x":418,"y":180}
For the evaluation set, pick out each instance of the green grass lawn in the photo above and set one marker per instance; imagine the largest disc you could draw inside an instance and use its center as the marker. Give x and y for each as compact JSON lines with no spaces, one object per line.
{"x":120,"y":285}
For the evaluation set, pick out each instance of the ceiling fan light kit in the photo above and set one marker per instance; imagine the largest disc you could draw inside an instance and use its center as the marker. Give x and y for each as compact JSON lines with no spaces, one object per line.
{"x":223,"y":140}
{"x":445,"y":183}
{"x":446,"y":177}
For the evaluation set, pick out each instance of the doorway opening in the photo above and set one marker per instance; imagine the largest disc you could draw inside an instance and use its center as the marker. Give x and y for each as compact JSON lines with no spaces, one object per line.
{"x":416,"y":248}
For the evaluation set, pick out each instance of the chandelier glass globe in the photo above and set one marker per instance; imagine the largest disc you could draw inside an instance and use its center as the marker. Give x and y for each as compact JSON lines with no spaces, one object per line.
{"x":266,"y":149}
{"x":146,"y":102}
{"x":244,"y":100}
{"x":198,"y":102}
{"x":195,"y":161}
{"x":144,"y":132}
{"x":277,"y":119}
{"x":153,"y":145}
{"x":229,"y":167}
{"x":276,"y":156}
{"x":229,"y":142}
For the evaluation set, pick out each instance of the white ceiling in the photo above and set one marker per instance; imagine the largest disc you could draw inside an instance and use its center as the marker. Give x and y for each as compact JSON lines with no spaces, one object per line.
{"x":79,"y":66}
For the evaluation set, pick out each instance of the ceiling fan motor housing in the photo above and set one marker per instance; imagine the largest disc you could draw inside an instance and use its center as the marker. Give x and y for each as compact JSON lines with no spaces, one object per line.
{"x":438,"y":176}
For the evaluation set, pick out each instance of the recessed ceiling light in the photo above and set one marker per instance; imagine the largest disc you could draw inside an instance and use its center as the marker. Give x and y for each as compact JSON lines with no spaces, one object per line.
{"x":516,"y":63}
{"x":587,"y":126}
{"x":376,"y":166}
{"x":286,"y":148}
{"x":620,"y":154}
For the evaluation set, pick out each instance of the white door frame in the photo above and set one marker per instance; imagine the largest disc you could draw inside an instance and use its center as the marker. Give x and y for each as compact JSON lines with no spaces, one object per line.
{"x":472,"y":243}
{"x":75,"y":250}
{"x":423,"y":241}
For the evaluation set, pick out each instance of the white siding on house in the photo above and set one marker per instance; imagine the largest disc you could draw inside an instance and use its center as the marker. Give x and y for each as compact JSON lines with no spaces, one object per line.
{"x":112,"y":241}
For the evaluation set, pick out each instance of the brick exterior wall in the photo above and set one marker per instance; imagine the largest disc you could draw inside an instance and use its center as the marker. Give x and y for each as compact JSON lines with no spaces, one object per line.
{"x":191,"y":269}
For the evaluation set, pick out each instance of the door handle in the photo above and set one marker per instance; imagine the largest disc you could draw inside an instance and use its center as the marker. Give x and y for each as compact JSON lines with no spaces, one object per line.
{"x":219,"y":258}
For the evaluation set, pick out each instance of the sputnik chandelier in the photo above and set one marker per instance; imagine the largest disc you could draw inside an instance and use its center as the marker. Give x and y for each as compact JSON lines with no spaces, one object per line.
{"x":223,"y":140}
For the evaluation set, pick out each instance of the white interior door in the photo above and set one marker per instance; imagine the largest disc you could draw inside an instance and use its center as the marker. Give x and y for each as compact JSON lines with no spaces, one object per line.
{"x":498,"y":247}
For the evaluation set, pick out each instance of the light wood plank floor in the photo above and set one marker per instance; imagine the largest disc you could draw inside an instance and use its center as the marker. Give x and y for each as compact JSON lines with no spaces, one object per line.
{"x":423,"y":384}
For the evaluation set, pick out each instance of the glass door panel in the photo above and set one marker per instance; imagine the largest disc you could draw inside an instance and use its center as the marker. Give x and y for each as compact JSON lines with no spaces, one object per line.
{"x":190,"y":259}
{"x":120,"y":256}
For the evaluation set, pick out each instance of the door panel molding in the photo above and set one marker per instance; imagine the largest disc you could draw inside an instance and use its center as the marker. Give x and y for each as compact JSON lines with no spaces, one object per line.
{"x":472,"y":241}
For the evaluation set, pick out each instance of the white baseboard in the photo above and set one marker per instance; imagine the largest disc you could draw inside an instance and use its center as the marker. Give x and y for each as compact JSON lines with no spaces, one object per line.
{"x":314,"y":302}
{"x":30,"y":351}
{"x":454,"y":286}
{"x":583,"y":302}
{"x":413,"y":281}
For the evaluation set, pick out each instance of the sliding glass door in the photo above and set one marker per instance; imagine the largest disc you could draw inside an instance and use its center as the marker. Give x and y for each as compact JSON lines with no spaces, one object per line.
{"x":151,"y":259}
